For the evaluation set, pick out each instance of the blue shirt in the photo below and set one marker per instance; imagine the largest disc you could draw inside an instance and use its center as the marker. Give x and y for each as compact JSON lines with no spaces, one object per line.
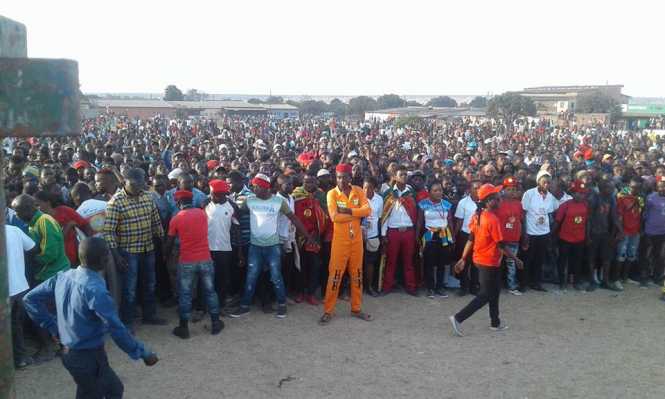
{"x":198,"y":201}
{"x":13,"y":220}
{"x":85,"y":312}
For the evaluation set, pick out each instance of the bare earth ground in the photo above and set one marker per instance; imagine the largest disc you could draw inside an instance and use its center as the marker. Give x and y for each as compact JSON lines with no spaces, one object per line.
{"x":576,"y":345}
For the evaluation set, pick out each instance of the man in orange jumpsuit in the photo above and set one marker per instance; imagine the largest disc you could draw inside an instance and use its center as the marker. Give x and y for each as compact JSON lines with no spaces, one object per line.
{"x":347,"y":204}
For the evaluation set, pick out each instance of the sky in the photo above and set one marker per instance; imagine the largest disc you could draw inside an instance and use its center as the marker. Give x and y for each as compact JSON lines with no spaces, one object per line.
{"x":355,"y":47}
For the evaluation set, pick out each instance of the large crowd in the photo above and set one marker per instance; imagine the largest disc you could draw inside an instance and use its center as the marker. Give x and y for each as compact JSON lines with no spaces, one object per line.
{"x":207,"y":215}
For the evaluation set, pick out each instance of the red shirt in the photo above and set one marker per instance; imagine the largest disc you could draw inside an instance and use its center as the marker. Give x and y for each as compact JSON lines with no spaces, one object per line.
{"x":65,"y":215}
{"x":572,"y":216}
{"x":191,"y":227}
{"x":510,"y":215}
{"x":486,"y":238}
{"x":628,"y":209}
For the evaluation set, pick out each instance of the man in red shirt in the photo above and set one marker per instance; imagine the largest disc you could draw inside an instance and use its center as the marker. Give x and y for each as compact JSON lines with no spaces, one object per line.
{"x":629,"y":209}
{"x":190,"y":226}
{"x":571,"y":223}
{"x":511,"y":216}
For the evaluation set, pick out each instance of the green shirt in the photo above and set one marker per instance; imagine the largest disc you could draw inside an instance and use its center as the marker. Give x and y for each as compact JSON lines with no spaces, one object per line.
{"x":47,"y":234}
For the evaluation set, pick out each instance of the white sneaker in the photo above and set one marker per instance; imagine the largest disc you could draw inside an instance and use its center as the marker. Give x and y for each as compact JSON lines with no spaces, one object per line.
{"x":631,"y":281}
{"x":501,"y":327}
{"x":457,"y":329}
{"x":516,"y":292}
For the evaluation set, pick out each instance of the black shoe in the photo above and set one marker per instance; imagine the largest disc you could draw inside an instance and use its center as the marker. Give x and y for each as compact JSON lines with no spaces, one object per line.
{"x":431,"y":294}
{"x":372,"y":293}
{"x":182,"y":332}
{"x":155,"y":321}
{"x":239,"y":311}
{"x":216,"y":326}
{"x":281,"y":311}
{"x":462,"y":292}
{"x":43,"y":355}
{"x":385,"y":292}
{"x":23,"y":362}
{"x":538,"y":287}
{"x":441,"y":293}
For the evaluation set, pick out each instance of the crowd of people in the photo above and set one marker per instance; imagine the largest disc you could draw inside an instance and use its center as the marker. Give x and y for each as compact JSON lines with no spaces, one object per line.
{"x":207,"y":215}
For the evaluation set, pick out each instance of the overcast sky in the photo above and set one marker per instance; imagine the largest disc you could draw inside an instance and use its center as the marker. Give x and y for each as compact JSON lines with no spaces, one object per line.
{"x":350,"y":47}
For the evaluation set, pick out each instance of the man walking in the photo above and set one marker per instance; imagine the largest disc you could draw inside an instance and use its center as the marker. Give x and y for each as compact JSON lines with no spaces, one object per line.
{"x":85,"y":312}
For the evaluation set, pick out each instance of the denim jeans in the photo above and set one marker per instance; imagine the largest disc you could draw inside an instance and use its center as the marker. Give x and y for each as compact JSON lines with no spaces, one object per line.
{"x":187,"y":272}
{"x":92,"y":373}
{"x":511,"y":275}
{"x":143,"y":263}
{"x":258,"y":259}
{"x":627,"y":248}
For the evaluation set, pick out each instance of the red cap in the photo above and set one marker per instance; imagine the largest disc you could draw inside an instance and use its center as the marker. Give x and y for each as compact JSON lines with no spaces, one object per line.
{"x":660,"y":179}
{"x":218,"y":186}
{"x":212,"y":164}
{"x":488,"y":189}
{"x":81,"y":164}
{"x":262,"y":181}
{"x":343,"y":168}
{"x":305,"y":159}
{"x":578,"y":186}
{"x":588,"y":155}
{"x":183,"y":195}
{"x":510,"y":181}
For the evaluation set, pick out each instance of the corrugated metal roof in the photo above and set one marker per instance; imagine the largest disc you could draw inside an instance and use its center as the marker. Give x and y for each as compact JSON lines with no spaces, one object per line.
{"x":279,"y":107}
{"x":101,"y":102}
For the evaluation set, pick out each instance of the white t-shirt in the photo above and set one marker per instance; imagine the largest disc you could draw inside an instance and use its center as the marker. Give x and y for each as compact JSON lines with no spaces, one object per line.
{"x":263,"y":215}
{"x":465,"y":210}
{"x":220,"y":218}
{"x":371,"y":222}
{"x":565,"y":197}
{"x":537,"y":210}
{"x":94,"y":211}
{"x":17,"y":243}
{"x":286,"y":229}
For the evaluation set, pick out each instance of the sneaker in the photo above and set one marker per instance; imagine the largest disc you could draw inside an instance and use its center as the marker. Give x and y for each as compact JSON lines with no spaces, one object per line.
{"x":281,"y":311}
{"x":23,"y":362}
{"x":430,"y":294}
{"x":43,"y":355}
{"x":516,"y":292}
{"x":216,"y":326}
{"x":239,"y":311}
{"x":501,"y":327}
{"x":181,"y":331}
{"x":631,"y":281}
{"x":457,"y":328}
{"x":618,"y":285}
{"x":441,"y":293}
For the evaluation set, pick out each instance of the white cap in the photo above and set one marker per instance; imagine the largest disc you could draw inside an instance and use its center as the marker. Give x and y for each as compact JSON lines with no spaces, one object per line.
{"x":322,"y":172}
{"x":541,"y":174}
{"x":175,"y":173}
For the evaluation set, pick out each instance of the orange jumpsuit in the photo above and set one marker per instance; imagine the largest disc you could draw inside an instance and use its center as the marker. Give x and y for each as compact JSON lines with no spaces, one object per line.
{"x":347,"y":245}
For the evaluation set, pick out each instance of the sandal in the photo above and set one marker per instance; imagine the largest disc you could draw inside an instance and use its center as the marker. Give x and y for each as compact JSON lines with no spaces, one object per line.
{"x":325,"y":319}
{"x":362,"y":316}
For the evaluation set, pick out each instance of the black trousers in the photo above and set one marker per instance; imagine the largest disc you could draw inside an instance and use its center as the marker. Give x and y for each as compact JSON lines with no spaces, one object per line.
{"x":237,"y":274}
{"x":535,"y":256}
{"x":310,"y":271}
{"x":655,"y":245}
{"x":222,"y":262}
{"x":94,"y":377}
{"x":435,"y":259}
{"x":469,"y":276}
{"x":17,"y":319}
{"x":571,"y":256}
{"x":490,"y":288}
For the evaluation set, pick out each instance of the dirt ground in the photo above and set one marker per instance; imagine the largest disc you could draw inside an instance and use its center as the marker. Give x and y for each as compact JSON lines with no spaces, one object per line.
{"x":572,"y":345}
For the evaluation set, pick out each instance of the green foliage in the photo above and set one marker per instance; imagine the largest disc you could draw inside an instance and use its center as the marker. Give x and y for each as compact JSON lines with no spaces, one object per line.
{"x":338,"y":107}
{"x":404,"y":121}
{"x":509,"y":106}
{"x":275,"y":100}
{"x":195,"y":95}
{"x":478,"y":102}
{"x":172,"y":93}
{"x":390,"y":101}
{"x":362,"y":104}
{"x":254,"y":101}
{"x":413,"y":103}
{"x":442,"y":101}
{"x":312,"y":107}
{"x":594,"y":102}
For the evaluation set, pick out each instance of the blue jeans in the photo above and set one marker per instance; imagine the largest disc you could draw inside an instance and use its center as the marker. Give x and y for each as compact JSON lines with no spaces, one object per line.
{"x":187,"y":272}
{"x":511,"y":275}
{"x":145,"y":264}
{"x":258,"y":259}
{"x":627,"y":248}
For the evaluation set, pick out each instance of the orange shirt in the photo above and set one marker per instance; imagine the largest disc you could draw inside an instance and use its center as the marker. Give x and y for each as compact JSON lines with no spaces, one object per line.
{"x":486,"y":238}
{"x":347,"y":227}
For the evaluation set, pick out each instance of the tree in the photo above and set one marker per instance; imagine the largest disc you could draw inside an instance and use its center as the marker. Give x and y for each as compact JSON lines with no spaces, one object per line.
{"x":195,"y":95}
{"x":274,"y":100}
{"x":312,"y":107}
{"x":338,"y":107}
{"x":390,"y":101}
{"x":413,"y":103}
{"x":509,"y":106}
{"x":254,"y":101}
{"x":442,"y":101}
{"x":362,"y":104}
{"x":173,"y":93}
{"x":478,"y":102}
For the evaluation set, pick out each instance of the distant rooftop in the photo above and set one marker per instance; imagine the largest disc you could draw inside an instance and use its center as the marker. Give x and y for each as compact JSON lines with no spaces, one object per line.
{"x":102,"y":102}
{"x":570,"y":88}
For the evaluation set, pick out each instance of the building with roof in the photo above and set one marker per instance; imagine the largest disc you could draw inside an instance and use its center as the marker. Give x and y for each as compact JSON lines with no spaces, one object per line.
{"x":136,"y":108}
{"x":640,"y":116}
{"x":552,"y":100}
{"x":424,"y":112}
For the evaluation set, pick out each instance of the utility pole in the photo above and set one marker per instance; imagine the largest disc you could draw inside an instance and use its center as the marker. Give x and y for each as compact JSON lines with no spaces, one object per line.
{"x":38,"y":97}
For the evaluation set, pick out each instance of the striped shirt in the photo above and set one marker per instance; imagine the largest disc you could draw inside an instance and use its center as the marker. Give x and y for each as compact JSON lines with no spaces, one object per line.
{"x":132,"y":222}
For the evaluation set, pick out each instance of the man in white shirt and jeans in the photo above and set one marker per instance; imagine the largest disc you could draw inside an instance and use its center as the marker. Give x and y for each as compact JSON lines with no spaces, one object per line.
{"x":538,"y":203}
{"x":220,"y":212}
{"x":18,"y":243}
